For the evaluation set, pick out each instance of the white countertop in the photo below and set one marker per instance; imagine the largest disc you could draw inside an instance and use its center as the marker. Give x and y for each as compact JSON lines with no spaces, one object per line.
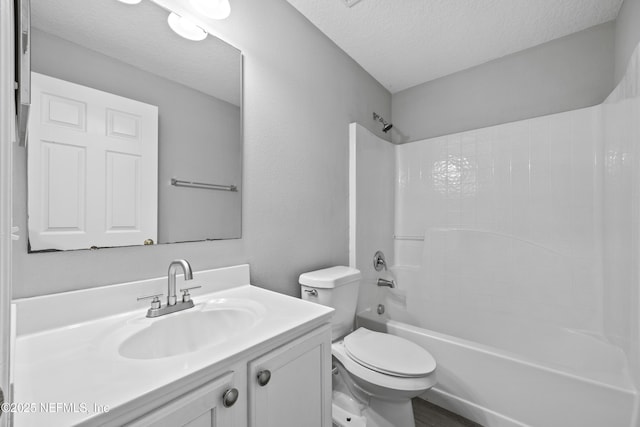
{"x":79,"y":364}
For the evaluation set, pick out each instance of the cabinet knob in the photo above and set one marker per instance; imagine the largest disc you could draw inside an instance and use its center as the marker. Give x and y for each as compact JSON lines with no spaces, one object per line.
{"x":230,"y":397}
{"x":264,"y":377}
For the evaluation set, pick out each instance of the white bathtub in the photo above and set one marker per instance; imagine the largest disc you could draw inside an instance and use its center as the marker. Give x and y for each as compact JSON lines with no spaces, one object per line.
{"x":521,"y":375}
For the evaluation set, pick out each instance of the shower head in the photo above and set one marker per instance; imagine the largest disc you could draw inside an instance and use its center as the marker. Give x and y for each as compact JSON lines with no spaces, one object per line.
{"x":386,"y":127}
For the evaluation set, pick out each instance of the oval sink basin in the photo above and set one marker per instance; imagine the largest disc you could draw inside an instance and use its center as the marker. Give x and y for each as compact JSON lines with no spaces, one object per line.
{"x":187,"y":331}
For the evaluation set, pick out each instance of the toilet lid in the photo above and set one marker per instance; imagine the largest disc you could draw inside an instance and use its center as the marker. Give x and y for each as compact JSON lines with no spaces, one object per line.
{"x":388,"y":354}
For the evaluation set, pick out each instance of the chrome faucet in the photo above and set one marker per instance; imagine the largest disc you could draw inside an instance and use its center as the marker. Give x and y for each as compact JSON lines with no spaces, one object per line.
{"x":173,"y":305}
{"x":188,"y":275}
{"x":385,"y":282}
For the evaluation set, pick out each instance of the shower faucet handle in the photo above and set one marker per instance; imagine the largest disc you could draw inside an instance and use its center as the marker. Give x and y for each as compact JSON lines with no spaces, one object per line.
{"x":379,"y":262}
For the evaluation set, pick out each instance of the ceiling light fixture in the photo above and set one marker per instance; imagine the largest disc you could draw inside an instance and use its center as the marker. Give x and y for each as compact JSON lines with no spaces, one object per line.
{"x":216,"y":9}
{"x":130,"y":1}
{"x":185,"y":28}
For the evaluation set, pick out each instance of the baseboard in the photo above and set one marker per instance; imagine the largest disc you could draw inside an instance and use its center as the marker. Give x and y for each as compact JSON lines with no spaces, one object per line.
{"x":470,"y":410}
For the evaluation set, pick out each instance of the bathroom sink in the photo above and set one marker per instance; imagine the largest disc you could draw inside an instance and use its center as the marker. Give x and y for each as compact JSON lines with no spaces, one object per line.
{"x":191,"y":330}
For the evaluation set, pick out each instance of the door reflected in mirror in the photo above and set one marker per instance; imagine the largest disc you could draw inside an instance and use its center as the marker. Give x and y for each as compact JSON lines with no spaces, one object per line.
{"x":124,"y":105}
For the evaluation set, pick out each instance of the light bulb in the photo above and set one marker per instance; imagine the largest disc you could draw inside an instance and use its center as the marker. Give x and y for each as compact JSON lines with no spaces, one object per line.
{"x":185,"y":28}
{"x":216,"y":9}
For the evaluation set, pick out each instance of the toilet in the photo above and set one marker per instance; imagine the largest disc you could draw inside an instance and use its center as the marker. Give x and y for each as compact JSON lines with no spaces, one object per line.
{"x":375,"y":374}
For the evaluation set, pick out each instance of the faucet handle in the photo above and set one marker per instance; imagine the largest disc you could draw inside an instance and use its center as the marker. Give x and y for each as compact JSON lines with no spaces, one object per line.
{"x":379,"y":262}
{"x":155,"y":302}
{"x":185,"y":293}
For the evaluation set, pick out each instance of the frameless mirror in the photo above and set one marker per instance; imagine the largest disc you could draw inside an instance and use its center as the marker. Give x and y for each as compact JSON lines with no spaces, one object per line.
{"x":135,"y":132}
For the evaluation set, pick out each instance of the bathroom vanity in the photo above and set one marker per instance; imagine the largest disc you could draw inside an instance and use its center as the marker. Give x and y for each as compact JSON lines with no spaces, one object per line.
{"x":243,"y":356}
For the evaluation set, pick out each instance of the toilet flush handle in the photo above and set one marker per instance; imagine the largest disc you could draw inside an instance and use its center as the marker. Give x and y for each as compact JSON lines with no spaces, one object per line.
{"x":312,"y":292}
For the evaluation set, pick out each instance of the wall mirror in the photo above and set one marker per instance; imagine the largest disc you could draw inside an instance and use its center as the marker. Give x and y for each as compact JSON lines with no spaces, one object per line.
{"x":135,"y":133}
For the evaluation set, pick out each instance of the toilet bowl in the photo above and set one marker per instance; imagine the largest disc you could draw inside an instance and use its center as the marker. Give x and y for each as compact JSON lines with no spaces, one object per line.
{"x":384,"y":372}
{"x":376,"y":374}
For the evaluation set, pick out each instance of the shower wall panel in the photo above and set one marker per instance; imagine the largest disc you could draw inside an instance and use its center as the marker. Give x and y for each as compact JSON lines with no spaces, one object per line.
{"x":371,"y":172}
{"x":511,"y":219}
{"x":622,"y":215}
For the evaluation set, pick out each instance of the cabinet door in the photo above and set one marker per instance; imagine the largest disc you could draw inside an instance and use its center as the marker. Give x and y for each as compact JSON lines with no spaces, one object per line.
{"x":201,"y":407}
{"x":291,"y":386}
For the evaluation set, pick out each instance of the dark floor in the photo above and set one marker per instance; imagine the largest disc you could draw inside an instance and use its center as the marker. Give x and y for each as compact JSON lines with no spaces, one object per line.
{"x":429,"y":415}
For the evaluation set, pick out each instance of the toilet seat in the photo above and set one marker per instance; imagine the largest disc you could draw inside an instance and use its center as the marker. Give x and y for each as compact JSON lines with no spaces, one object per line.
{"x":377,"y":378}
{"x":388,"y":354}
{"x":355,"y":369}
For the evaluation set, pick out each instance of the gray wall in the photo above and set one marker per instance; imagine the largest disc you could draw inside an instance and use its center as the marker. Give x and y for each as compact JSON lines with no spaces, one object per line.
{"x":627,"y":35}
{"x":565,"y":74}
{"x":199,"y":137}
{"x":300,"y":93}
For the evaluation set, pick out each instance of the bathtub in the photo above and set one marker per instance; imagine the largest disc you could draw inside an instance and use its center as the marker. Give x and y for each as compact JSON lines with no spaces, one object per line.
{"x":521,"y":374}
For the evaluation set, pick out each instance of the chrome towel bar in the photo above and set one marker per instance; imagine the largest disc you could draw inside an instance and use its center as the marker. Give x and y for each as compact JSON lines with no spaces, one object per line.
{"x":204,"y":185}
{"x":417,"y":238}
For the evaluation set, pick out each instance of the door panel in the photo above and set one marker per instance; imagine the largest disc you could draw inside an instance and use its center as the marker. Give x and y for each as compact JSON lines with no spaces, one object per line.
{"x":122,"y":125}
{"x":123,"y":192}
{"x":64,"y":196}
{"x":61,"y":111}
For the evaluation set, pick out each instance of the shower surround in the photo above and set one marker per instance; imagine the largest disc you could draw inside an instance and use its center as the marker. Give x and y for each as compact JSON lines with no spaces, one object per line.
{"x":517,"y":250}
{"x":506,"y":220}
{"x":500,"y":243}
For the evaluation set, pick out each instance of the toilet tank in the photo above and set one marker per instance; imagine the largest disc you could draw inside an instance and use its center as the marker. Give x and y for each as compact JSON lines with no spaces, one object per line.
{"x":336,"y":287}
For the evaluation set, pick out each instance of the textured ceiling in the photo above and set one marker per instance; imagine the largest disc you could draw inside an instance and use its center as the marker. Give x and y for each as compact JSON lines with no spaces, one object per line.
{"x":140,"y":36}
{"x":403,"y":43}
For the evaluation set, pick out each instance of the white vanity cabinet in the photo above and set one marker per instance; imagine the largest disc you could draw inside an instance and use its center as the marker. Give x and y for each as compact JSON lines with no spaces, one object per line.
{"x":291,"y":385}
{"x":174,"y":370}
{"x":286,"y":385}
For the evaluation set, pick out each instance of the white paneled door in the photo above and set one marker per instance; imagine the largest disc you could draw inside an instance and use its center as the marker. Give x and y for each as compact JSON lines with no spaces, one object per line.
{"x":93,"y":167}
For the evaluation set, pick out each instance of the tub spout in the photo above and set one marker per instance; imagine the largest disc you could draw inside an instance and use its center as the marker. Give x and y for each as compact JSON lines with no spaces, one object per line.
{"x":385,"y":282}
